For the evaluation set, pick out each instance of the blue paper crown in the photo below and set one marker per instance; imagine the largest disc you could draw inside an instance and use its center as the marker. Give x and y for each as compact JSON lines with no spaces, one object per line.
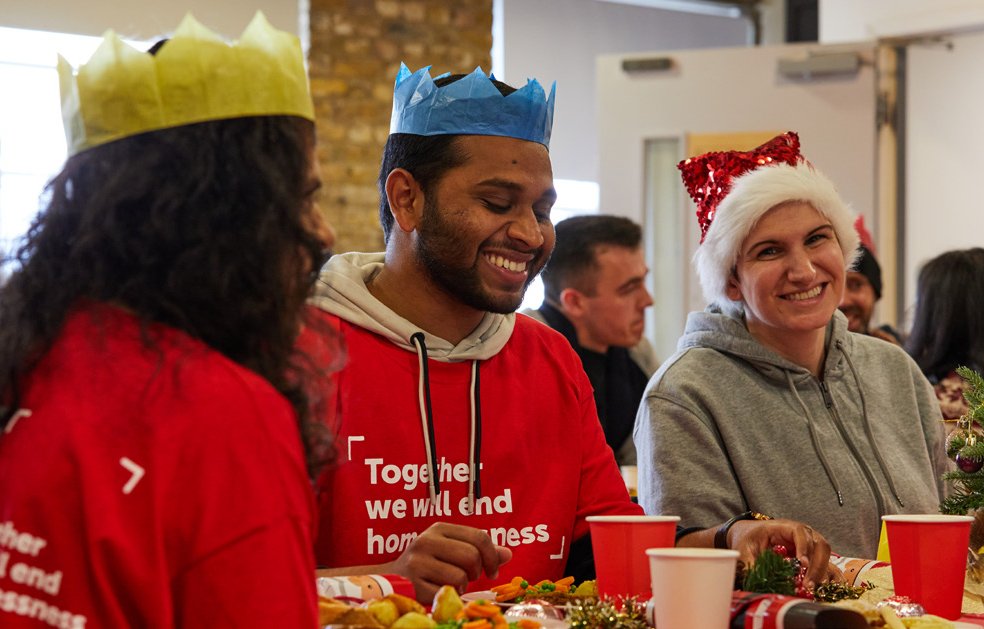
{"x":471,"y":105}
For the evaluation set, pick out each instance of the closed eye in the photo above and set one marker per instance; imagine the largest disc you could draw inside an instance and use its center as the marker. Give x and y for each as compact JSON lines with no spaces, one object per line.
{"x":496,"y":207}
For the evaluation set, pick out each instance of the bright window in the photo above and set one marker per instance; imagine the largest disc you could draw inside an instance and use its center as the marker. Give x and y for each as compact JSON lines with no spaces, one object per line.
{"x":573,"y":198}
{"x":32,"y":142}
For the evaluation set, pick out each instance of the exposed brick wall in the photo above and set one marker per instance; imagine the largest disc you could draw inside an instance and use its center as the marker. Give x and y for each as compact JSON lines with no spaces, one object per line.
{"x":355,"y":50}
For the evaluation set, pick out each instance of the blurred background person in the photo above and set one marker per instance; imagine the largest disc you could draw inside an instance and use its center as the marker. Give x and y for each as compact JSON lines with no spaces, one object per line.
{"x":863,"y":289}
{"x":157,"y":441}
{"x":595,"y":295}
{"x":948,"y":324}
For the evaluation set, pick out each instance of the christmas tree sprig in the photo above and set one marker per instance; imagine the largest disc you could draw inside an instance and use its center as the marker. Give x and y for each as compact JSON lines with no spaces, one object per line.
{"x":771,"y":574}
{"x":974,"y":394}
{"x":965,"y":445}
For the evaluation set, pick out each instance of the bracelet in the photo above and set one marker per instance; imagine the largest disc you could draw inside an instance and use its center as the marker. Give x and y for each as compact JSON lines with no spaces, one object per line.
{"x":721,"y":536}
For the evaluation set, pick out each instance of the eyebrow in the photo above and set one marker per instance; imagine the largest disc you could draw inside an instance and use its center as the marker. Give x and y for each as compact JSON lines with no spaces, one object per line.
{"x":495,"y":182}
{"x":773,"y":241}
{"x":631,"y":283}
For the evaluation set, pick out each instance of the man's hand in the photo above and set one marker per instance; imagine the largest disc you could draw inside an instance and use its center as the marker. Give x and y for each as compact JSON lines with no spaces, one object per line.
{"x":751,"y":537}
{"x":449,"y":554}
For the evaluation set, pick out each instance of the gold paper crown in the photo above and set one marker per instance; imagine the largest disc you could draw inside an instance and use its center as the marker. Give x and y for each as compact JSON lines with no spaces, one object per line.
{"x":195,"y":77}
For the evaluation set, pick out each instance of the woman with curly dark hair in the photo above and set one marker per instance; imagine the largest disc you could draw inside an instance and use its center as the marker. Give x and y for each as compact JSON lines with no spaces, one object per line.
{"x":157,"y":437}
{"x":948,"y":324}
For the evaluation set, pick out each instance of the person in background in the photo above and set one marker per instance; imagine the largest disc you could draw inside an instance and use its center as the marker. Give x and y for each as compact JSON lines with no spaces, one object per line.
{"x":595,"y":295}
{"x":769,"y":403}
{"x":948,"y":324}
{"x":157,"y":437}
{"x":863,"y":289}
{"x":471,"y":451}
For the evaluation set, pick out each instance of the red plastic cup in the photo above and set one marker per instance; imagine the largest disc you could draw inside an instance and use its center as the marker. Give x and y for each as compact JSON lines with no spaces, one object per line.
{"x":929,"y":559}
{"x":619,"y":543}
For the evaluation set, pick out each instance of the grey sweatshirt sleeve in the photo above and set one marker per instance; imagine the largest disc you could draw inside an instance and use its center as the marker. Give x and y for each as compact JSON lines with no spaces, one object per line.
{"x":934,"y":431}
{"x":680,"y":458}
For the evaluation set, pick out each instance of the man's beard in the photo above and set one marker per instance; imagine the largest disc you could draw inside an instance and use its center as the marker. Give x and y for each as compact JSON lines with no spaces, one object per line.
{"x":445,"y":258}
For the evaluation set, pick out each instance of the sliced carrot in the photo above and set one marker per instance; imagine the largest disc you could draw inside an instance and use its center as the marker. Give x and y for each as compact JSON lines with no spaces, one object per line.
{"x":516,"y":581}
{"x":565,"y":581}
{"x":527,"y":623}
{"x":481,"y":609}
{"x":508,"y":595}
{"x":477,"y":624}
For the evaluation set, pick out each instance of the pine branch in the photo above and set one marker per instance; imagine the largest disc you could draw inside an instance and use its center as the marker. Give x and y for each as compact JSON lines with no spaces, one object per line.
{"x":974,"y":394}
{"x":961,"y":504}
{"x":771,"y":574}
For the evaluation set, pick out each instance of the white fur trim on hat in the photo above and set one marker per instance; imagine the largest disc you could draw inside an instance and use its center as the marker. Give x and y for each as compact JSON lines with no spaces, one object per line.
{"x":751,"y":196}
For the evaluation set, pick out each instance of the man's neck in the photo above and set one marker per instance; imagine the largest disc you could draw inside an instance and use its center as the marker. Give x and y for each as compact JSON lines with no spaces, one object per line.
{"x":588,"y":343}
{"x":576,"y":333}
{"x":413,"y":296}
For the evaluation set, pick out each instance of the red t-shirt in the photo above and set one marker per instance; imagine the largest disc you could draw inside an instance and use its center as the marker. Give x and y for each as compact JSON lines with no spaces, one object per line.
{"x":544,"y":461}
{"x":151,"y":487}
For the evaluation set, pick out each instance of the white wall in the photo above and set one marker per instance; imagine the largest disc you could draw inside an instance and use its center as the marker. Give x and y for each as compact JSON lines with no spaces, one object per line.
{"x":558,"y":40}
{"x":855,"y":20}
{"x":144,"y":20}
{"x":945,"y":135}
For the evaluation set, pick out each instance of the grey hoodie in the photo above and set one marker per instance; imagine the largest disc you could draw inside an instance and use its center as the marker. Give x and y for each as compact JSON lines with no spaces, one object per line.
{"x":728,"y":425}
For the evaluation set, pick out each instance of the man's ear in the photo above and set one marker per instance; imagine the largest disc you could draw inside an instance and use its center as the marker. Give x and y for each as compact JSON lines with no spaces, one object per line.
{"x":406,"y":199}
{"x":572,"y":302}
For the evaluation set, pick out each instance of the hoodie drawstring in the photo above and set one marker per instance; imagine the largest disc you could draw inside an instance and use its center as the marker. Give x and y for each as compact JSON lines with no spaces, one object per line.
{"x":427,"y":426}
{"x":816,"y":441}
{"x":426,"y":416}
{"x":867,"y":426}
{"x":475,"y":447}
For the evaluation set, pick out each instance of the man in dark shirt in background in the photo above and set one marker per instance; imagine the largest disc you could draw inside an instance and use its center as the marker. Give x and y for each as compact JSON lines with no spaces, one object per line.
{"x":595,"y":295}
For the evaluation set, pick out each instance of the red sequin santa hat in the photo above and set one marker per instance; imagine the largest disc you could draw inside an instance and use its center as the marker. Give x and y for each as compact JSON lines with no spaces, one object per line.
{"x":734,"y":189}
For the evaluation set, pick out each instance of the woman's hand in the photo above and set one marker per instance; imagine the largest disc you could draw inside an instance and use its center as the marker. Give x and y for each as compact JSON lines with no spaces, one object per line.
{"x":751,"y":537}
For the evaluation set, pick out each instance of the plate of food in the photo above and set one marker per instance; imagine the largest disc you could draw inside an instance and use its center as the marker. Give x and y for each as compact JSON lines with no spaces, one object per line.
{"x":448,"y":611}
{"x":559,"y":593}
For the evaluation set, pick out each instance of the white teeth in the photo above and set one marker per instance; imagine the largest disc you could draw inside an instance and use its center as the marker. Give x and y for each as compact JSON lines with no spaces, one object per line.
{"x":507,"y":264}
{"x":805,"y":294}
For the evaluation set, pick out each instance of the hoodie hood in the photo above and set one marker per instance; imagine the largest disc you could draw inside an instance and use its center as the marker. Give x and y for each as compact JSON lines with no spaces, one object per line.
{"x":341,"y":290}
{"x":728,"y":334}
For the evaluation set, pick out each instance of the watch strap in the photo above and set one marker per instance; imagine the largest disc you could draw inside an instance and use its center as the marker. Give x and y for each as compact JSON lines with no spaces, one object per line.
{"x":721,"y":535}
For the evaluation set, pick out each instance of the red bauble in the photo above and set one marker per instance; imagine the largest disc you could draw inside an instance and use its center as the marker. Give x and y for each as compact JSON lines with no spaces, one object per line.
{"x":969,"y":465}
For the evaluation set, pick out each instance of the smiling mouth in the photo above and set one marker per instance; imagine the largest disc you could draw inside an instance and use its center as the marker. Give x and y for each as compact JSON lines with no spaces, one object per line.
{"x":509,"y":265}
{"x":807,"y":294}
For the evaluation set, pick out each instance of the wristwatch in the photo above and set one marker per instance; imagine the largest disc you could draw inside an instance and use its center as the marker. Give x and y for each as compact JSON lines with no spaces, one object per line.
{"x":721,"y":536}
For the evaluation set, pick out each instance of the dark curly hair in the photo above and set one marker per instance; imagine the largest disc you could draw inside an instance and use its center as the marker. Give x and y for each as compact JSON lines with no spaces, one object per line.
{"x":200,"y":227}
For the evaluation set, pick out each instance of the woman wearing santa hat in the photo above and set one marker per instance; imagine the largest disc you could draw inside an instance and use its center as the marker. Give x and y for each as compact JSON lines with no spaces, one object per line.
{"x":770,"y":405}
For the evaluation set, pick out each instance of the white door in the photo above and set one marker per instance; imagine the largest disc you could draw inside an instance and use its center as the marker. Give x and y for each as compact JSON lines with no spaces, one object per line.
{"x":944,"y":136}
{"x":648,"y":120}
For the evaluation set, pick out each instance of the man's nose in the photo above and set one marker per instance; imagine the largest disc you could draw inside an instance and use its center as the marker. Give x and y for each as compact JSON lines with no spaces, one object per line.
{"x":526,"y":228}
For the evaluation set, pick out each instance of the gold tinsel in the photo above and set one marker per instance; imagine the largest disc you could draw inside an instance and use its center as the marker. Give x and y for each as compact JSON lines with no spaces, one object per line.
{"x":608,"y":613}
